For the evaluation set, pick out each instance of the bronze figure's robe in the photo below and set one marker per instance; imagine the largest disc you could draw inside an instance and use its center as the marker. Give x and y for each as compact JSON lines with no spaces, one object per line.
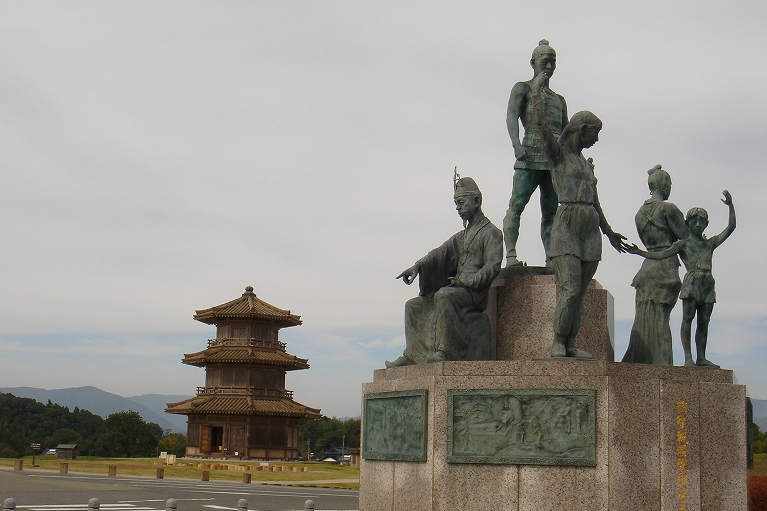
{"x":449,"y":318}
{"x":657,"y":284}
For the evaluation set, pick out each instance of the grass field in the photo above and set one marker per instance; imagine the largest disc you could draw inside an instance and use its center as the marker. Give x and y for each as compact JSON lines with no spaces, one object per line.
{"x":317,"y":474}
{"x":760,"y":465}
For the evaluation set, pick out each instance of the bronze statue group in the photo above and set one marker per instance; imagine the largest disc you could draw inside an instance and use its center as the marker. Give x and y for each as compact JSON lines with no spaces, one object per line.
{"x":446,"y":321}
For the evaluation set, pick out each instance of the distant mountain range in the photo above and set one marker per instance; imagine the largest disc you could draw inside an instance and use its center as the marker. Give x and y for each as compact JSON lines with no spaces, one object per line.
{"x":150,"y":406}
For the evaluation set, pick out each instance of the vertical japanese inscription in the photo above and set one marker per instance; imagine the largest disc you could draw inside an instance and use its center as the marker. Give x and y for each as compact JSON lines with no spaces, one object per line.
{"x":395,"y":426}
{"x":522,"y":426}
{"x":682,"y":442}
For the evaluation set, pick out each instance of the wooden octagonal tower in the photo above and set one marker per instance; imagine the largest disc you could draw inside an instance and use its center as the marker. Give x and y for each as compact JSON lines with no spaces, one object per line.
{"x":244,"y":410}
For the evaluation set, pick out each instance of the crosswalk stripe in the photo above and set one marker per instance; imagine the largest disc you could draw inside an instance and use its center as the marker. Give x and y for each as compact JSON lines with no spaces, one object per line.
{"x":80,"y":507}
{"x":57,"y":506}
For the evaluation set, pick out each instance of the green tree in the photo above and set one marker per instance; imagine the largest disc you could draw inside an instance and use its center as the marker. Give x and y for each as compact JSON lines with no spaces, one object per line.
{"x":127,"y":435}
{"x":174,"y":443}
{"x":327,"y":432}
{"x":760,"y":440}
{"x":24,"y":421}
{"x":7,"y":451}
{"x":64,"y":436}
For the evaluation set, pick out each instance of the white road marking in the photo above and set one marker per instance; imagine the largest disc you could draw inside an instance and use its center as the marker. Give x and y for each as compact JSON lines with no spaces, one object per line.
{"x":160,"y":500}
{"x":134,"y":501}
{"x":81,"y":507}
{"x":102,"y":506}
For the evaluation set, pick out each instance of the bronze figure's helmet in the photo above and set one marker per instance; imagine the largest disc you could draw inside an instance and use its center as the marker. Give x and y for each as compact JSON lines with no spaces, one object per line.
{"x":466,"y":187}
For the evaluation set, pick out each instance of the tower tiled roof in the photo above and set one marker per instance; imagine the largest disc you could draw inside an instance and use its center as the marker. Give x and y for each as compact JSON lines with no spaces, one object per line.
{"x":248,"y":306}
{"x":245,"y":355}
{"x":243,"y":405}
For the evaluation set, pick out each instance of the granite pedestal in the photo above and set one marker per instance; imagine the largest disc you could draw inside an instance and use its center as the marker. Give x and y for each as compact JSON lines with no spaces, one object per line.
{"x":521,"y":310}
{"x":661,"y":438}
{"x":666,"y":438}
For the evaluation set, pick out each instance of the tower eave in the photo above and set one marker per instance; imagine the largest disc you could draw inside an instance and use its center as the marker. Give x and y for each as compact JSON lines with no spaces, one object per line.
{"x":242,"y":405}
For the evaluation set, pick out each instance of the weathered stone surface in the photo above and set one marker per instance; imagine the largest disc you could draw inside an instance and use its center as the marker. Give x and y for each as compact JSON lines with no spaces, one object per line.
{"x":409,"y":481}
{"x":523,"y":316}
{"x":722,"y":447}
{"x":679,"y":445}
{"x":487,"y":489}
{"x":634,"y":447}
{"x":636,"y":456}
{"x":376,"y":485}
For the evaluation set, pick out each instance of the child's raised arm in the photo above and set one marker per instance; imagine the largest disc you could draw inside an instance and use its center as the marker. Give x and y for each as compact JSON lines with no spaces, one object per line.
{"x":719,"y":238}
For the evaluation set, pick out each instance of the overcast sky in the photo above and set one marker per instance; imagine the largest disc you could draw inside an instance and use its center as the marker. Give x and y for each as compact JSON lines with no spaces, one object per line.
{"x":158,"y":157}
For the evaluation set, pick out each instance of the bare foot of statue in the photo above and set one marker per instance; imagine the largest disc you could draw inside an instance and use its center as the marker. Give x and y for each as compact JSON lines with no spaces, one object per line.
{"x":401,"y":361}
{"x":702,"y":362}
{"x":579,"y":353}
{"x":513,"y":261}
{"x":689,"y":362}
{"x":574,"y":352}
{"x":558,"y":349}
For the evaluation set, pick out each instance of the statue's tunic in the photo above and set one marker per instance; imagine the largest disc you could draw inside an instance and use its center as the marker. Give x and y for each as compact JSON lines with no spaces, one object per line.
{"x":449,"y":318}
{"x":576,"y":223}
{"x":698,"y":284}
{"x":657,"y":284}
{"x":554,"y":109}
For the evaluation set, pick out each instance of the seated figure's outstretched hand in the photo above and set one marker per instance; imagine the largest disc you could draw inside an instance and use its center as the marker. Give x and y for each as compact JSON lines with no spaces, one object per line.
{"x":632,"y":249}
{"x":409,"y":275}
{"x":727,"y":198}
{"x":617,"y":241}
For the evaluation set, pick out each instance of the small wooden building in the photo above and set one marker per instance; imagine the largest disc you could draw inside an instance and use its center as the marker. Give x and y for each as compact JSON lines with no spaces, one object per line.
{"x":244,"y":410}
{"x":66,"y":451}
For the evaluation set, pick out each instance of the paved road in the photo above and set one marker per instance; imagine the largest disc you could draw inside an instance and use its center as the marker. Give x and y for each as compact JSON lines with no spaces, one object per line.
{"x":45,"y":491}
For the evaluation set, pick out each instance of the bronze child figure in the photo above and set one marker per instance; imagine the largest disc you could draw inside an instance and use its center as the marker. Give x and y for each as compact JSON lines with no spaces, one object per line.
{"x":698,"y":294}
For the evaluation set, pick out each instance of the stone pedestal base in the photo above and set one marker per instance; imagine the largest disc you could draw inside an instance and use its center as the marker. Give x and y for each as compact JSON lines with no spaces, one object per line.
{"x":666,"y":438}
{"x":521,"y":310}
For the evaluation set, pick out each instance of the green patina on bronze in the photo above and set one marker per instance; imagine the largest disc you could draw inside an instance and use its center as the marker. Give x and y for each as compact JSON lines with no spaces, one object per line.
{"x":395,"y":426}
{"x":532,"y":168}
{"x":446,"y":320}
{"x":522,"y":427}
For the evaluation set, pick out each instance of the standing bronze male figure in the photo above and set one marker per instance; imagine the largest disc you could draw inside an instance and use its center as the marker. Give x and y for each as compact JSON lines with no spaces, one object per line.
{"x":532,"y":169}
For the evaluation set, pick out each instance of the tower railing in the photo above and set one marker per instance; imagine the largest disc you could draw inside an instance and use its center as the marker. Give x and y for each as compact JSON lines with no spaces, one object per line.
{"x":244,"y":391}
{"x":248,"y":343}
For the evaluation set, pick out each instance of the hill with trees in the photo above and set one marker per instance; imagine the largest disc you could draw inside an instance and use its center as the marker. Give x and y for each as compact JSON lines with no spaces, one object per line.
{"x":24,"y":421}
{"x":150,"y":406}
